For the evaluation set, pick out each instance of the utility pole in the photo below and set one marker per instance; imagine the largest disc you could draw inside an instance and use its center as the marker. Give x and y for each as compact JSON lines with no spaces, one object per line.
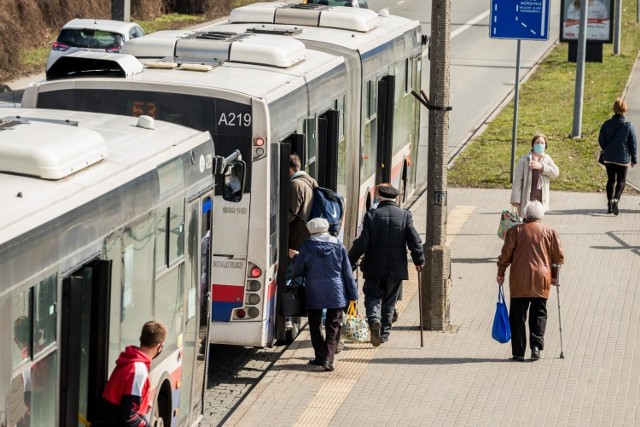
{"x":617,"y":28}
{"x":436,"y":280}
{"x":580,"y":63}
{"x":121,"y":10}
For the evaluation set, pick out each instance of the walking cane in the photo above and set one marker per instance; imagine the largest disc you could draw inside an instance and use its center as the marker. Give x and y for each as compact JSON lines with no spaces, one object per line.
{"x":559,"y":315}
{"x":420,"y":306}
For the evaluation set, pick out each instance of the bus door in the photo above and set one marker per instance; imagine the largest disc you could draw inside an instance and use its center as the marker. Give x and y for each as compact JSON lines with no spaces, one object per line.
{"x":197,"y":319}
{"x":84,"y":338}
{"x":386,"y":90}
{"x":328,"y":149}
{"x":286,"y":148}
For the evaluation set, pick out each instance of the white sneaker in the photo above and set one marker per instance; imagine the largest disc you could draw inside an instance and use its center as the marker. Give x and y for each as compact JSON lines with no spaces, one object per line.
{"x":288,"y":324}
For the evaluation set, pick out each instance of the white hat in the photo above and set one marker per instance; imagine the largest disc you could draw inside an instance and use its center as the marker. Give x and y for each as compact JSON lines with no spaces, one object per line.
{"x":318,"y":225}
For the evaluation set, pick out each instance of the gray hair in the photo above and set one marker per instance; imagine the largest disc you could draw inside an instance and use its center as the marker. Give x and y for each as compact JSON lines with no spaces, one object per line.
{"x":534,"y":210}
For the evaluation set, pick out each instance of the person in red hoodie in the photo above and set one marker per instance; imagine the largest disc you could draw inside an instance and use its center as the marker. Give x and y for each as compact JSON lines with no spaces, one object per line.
{"x":125,"y":401}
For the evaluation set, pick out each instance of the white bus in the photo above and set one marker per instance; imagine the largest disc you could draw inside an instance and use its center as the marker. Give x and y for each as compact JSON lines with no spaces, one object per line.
{"x":101,"y":229}
{"x":347,"y":111}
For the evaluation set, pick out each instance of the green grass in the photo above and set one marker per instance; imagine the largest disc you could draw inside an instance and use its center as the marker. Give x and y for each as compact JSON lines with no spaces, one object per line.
{"x":546,"y":105}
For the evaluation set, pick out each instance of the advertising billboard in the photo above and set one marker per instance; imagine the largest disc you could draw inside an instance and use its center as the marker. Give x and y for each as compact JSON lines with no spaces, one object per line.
{"x":599,"y":20}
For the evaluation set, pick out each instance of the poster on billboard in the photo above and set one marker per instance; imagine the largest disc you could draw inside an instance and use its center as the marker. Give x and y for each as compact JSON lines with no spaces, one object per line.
{"x":599,"y":20}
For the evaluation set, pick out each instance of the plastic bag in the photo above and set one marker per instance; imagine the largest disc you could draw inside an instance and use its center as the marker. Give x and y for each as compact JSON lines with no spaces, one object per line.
{"x":507,"y":220}
{"x":354,"y":327}
{"x":501,"y":330}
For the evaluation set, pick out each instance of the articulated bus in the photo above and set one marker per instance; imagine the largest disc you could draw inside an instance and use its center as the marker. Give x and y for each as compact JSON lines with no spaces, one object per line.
{"x":101,"y":230}
{"x":347,"y":111}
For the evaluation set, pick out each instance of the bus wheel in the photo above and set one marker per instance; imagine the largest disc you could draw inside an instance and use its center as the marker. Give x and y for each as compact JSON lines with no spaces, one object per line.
{"x":160,"y":411}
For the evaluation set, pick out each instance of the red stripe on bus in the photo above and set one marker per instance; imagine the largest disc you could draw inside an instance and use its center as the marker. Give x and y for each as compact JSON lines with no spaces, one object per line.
{"x":227,"y":293}
{"x":271,"y":290}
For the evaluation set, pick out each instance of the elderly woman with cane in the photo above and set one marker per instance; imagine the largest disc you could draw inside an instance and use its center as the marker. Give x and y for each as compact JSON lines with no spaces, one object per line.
{"x":531,"y":249}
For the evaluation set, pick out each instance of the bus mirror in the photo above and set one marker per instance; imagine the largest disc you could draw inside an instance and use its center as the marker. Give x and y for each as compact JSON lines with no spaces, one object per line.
{"x":233,"y":176}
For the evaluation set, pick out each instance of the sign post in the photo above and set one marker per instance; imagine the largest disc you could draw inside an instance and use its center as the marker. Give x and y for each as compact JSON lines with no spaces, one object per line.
{"x":520,"y":20}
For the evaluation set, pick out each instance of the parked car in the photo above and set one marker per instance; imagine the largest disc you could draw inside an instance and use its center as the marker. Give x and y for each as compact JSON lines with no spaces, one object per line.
{"x":92,"y":34}
{"x":349,"y":3}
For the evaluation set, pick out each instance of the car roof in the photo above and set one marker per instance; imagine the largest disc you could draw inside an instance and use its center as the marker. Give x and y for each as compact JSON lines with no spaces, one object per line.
{"x":102,"y":24}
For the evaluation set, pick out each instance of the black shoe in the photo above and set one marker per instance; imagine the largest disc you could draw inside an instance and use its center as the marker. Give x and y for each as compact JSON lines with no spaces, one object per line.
{"x":614,"y":206}
{"x":316,"y":362}
{"x":376,"y":338}
{"x":328,"y":366}
{"x":535,"y":353}
{"x":518,"y":358}
{"x":609,"y":207}
{"x":395,"y":315}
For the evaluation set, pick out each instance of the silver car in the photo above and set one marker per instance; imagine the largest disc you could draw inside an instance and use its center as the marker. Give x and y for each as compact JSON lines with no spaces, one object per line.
{"x":100,"y":35}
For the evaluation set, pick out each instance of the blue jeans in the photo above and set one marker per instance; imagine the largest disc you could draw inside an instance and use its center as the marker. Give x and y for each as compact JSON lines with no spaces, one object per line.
{"x":380,"y":296}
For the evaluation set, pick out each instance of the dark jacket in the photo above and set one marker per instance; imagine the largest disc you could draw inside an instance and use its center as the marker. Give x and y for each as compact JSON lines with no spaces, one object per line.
{"x":300,"y":199}
{"x":530,"y":249}
{"x":328,"y":276}
{"x":125,"y":400}
{"x":387,"y":232}
{"x":618,"y":141}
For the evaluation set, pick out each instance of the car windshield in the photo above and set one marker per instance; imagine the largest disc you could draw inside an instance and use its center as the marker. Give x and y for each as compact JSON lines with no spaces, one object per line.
{"x":89,"y":38}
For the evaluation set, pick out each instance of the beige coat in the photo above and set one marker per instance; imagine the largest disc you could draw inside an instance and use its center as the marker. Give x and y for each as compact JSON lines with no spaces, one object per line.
{"x":300,"y":200}
{"x":530,"y":249}
{"x":522,"y":181}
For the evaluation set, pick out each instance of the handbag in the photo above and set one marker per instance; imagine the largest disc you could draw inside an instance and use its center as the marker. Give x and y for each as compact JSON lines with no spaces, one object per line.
{"x":501,"y":330}
{"x":293,"y":301}
{"x":354,"y":327}
{"x":507,"y":220}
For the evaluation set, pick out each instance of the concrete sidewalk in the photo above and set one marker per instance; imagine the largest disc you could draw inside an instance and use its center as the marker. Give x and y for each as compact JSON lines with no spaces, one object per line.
{"x":464,"y":377}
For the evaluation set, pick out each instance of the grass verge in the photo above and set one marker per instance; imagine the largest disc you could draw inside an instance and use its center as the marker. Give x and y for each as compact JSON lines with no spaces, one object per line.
{"x":546,"y":105}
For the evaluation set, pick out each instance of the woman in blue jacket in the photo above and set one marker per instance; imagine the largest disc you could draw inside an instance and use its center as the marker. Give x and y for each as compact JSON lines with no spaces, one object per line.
{"x":329,"y":284}
{"x":619,"y":146}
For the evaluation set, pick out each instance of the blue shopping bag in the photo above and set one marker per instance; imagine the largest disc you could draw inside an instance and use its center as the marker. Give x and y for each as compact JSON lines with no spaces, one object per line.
{"x":501,"y":331}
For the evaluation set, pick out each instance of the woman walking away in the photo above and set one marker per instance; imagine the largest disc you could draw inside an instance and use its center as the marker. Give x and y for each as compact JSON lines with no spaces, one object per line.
{"x":329,"y":284}
{"x":619,"y":146}
{"x":533,"y":251}
{"x":532,"y":176}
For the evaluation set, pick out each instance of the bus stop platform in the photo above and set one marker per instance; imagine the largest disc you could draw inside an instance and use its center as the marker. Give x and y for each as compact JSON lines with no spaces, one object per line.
{"x":462,"y":376}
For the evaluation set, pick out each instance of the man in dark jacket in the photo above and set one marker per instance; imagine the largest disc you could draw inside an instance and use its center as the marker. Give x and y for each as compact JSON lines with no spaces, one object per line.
{"x":387,"y":232}
{"x":125,"y":401}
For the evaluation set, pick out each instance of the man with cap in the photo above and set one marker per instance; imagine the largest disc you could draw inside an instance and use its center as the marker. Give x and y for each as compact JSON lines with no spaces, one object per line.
{"x":387,"y":232}
{"x":329,"y":284}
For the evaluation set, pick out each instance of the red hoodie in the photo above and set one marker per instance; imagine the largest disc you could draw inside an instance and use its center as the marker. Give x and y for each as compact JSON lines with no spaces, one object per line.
{"x":125,"y":400}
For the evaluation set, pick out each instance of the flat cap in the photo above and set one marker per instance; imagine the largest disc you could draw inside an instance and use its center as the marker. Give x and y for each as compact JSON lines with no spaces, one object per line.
{"x":388,"y":192}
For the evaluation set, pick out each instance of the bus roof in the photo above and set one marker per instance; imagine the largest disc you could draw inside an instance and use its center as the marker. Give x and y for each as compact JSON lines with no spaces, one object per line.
{"x":251,"y":80}
{"x":29,"y":202}
{"x":263,"y":17}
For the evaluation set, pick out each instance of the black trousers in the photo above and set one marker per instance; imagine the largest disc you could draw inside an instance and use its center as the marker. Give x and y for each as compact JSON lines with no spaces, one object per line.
{"x":325,"y":347}
{"x":616,"y":174}
{"x":537,"y":308}
{"x":380,"y":296}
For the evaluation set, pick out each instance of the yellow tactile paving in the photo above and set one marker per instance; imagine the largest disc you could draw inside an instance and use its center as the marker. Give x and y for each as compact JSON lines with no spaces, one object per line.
{"x":336,"y":388}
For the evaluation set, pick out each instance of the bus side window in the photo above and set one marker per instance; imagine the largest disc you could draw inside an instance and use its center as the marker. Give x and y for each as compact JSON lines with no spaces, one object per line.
{"x":234,"y":182}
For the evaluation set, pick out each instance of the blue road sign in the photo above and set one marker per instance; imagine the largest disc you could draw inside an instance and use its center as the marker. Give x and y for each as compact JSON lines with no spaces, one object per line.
{"x":519,"y":19}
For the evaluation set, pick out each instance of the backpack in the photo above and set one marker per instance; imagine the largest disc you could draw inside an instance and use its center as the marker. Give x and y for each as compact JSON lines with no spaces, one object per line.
{"x":329,"y":205}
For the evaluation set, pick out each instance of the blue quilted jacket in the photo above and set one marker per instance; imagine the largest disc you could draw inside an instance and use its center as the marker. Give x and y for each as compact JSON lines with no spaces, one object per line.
{"x":328,"y":277}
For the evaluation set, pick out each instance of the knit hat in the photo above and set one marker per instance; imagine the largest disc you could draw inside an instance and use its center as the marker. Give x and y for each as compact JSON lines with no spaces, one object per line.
{"x":318,"y":225}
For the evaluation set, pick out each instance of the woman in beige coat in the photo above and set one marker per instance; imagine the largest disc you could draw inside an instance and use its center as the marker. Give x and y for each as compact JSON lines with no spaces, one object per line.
{"x":532,"y":176}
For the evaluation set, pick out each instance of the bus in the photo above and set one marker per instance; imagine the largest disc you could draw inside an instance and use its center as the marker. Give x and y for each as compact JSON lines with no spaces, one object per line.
{"x":101,"y":230}
{"x":347,"y":111}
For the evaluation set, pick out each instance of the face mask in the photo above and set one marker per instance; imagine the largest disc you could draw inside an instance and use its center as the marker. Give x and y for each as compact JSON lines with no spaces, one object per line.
{"x":538,"y":148}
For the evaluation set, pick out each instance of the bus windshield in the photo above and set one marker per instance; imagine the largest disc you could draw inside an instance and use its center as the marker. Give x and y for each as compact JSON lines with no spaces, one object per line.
{"x":228,"y":122}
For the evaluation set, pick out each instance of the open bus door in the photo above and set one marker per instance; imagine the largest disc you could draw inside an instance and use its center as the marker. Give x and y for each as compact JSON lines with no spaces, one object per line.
{"x":386,"y":90}
{"x":328,"y":149}
{"x":84,"y":341}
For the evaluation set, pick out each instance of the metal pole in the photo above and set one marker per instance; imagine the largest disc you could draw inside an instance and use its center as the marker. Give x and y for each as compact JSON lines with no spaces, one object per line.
{"x":617,"y":29}
{"x":582,"y":45}
{"x":420,"y":307}
{"x":514,"y":132}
